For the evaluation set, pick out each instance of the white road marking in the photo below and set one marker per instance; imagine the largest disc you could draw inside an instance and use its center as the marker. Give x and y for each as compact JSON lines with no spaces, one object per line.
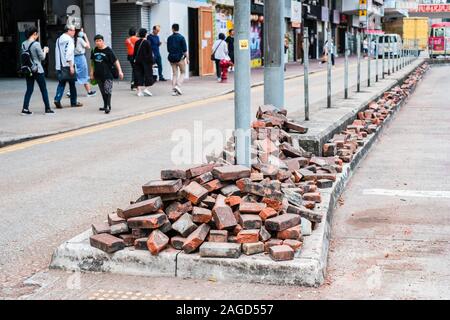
{"x":407,"y":193}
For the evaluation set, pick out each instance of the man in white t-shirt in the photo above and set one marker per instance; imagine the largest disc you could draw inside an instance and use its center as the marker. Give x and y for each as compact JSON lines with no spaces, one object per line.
{"x":64,"y":58}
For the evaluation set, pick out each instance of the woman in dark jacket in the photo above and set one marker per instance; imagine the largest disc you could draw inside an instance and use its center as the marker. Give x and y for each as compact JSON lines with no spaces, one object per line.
{"x":143,"y":59}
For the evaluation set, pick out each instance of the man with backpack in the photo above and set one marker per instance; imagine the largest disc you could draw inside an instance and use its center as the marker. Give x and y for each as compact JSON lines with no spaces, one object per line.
{"x":31,"y":67}
{"x":65,"y":67}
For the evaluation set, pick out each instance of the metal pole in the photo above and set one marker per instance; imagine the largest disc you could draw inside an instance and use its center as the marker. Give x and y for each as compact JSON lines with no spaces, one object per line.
{"x":306,"y":71}
{"x":382,"y":57}
{"x":329,"y":46}
{"x":377,"y":40}
{"x":242,"y":99}
{"x":369,"y":47}
{"x":273,"y":53}
{"x":346,"y":67}
{"x":358,"y":53}
{"x":389,"y":55}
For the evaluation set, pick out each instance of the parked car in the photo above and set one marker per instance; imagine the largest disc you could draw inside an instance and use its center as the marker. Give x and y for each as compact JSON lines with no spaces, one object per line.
{"x":392,"y":48}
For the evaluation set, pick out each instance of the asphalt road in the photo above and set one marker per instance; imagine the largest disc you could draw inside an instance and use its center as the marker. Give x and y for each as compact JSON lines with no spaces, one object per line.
{"x":52,"y":191}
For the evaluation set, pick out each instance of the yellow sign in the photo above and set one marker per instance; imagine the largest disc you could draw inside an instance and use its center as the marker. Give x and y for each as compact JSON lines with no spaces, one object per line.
{"x":243,"y":44}
{"x":362,"y":1}
{"x":362,"y":13}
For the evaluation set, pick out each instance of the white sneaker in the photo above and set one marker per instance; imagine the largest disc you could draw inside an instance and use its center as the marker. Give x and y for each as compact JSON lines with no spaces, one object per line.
{"x":219,"y":79}
{"x":140,"y":94}
{"x":174,"y":93}
{"x":178,"y":90}
{"x":147,"y":93}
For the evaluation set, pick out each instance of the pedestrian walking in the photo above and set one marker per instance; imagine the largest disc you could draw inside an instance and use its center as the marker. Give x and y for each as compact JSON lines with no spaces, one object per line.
{"x":143,"y":64}
{"x":178,"y":58}
{"x":105,"y":67}
{"x":129,"y":43}
{"x":330,"y":54}
{"x":365,"y":47}
{"x":220,"y":52}
{"x":34,"y":54}
{"x":286,"y":51}
{"x":81,"y":66}
{"x":156,"y":43}
{"x":230,"y":42}
{"x":65,"y":66}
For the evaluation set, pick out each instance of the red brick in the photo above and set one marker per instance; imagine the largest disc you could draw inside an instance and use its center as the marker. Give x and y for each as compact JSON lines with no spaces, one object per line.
{"x":220,"y":201}
{"x":196,"y":238}
{"x":218,"y":236}
{"x":233,"y":200}
{"x":329,"y":149}
{"x":282,"y":222}
{"x":194,"y":192}
{"x":294,"y":244}
{"x":264,"y":235}
{"x":238,"y":228}
{"x":272,"y":242}
{"x":250,"y":248}
{"x":141,"y":208}
{"x":128,"y":239}
{"x":106,"y":242}
{"x":201,"y":215}
{"x":295,"y":127}
{"x":312,"y":216}
{"x":141,"y":243}
{"x":101,"y":227}
{"x":204,"y":178}
{"x":176,"y":209}
{"x":250,"y":221}
{"x":281,"y":253}
{"x":267,"y":213}
{"x":157,"y":241}
{"x":312,"y":196}
{"x":224,"y":218}
{"x":152,"y":221}
{"x":258,"y":124}
{"x":177,"y":242}
{"x":160,"y":187}
{"x":256,"y":176}
{"x":140,"y":233}
{"x":291,"y":233}
{"x":246,"y":236}
{"x":196,"y":171}
{"x":169,"y":174}
{"x":309,"y":204}
{"x":184,"y":225}
{"x":231,"y":172}
{"x":251,"y":207}
{"x":113,"y":218}
{"x":274,"y":204}
{"x":213,"y":185}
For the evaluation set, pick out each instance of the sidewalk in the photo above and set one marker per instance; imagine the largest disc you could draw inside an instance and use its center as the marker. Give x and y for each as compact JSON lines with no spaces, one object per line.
{"x":15,"y":128}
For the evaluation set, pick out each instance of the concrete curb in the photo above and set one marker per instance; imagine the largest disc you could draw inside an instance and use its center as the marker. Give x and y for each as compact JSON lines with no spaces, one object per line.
{"x":307,"y":269}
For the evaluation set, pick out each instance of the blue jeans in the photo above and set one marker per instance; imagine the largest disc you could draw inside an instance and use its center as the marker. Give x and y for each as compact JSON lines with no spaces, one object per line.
{"x":60,"y":91}
{"x":159,"y":63}
{"x":40,"y":79}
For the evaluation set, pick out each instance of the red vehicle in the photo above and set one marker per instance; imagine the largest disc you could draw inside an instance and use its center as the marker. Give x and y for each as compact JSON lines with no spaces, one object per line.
{"x":439,"y":40}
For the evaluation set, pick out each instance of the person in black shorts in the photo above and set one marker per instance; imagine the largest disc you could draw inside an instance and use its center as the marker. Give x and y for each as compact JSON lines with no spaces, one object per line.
{"x":143,"y":64}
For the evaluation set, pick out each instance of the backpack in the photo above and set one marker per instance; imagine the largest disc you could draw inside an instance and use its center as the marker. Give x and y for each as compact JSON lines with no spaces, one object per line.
{"x":27,"y":66}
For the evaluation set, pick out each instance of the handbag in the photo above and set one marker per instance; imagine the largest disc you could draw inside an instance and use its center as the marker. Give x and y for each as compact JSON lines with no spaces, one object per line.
{"x":213,"y":58}
{"x":64,"y":73}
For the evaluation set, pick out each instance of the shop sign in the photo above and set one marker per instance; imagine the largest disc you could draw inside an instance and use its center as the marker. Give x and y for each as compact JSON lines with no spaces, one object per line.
{"x":296,"y":12}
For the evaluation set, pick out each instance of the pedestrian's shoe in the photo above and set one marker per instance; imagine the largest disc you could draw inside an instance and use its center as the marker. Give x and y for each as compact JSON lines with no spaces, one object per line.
{"x":102,"y":109}
{"x":108,"y":109}
{"x":92,"y":93}
{"x":178,"y":90}
{"x":78,"y":104}
{"x":49,"y":111}
{"x":140,"y":94}
{"x":26,"y":112}
{"x":68,"y":94}
{"x":219,"y":79}
{"x":162,"y":79}
{"x":174,"y":93}
{"x":147,"y":93}
{"x":58,"y":104}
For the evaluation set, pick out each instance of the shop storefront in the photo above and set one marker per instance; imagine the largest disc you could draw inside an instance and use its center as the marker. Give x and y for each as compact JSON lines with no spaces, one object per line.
{"x":223,"y":17}
{"x":256,"y":33}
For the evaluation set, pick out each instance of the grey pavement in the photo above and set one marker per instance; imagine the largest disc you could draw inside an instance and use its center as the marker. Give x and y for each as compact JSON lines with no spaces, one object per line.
{"x":53,"y":190}
{"x":15,"y":128}
{"x":385,"y":245}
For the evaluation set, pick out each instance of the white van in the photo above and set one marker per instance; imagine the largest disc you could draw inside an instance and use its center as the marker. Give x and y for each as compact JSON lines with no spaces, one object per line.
{"x":392,"y":49}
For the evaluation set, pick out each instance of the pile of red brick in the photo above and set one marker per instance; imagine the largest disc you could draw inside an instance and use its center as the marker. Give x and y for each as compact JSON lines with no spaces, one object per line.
{"x":345,"y":144}
{"x":223,"y":209}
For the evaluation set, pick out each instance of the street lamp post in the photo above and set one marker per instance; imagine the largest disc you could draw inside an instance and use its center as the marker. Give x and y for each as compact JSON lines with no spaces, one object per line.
{"x":306,"y":71}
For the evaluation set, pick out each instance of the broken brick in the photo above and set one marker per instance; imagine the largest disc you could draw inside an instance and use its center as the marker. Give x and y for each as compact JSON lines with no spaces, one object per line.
{"x":218,"y":236}
{"x":246,"y":236}
{"x":196,"y":238}
{"x":272,"y":242}
{"x":290,"y":233}
{"x":113,"y":218}
{"x":294,"y":244}
{"x":252,"y":248}
{"x":250,"y":221}
{"x":102,"y":227}
{"x":251,"y":207}
{"x":184,"y":225}
{"x":199,"y":170}
{"x":232,"y":172}
{"x":119,"y":228}
{"x":141,"y":208}
{"x":282,"y":222}
{"x":157,"y":241}
{"x":152,"y":221}
{"x":224,"y":218}
{"x":175,"y":174}
{"x":312,"y":196}
{"x":141,"y":243}
{"x":201,"y":215}
{"x":264,"y":235}
{"x":233,"y":200}
{"x":194,"y":192}
{"x":177,"y":242}
{"x":267,"y":213}
{"x":220,"y":250}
